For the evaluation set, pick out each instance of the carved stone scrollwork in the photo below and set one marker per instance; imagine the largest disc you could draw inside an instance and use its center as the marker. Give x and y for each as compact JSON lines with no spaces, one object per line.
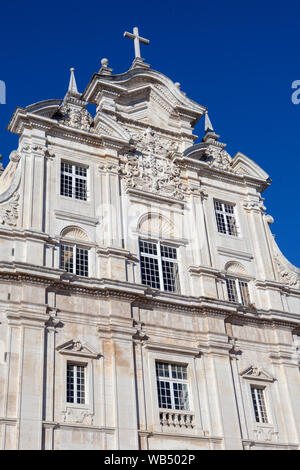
{"x":269,"y":435}
{"x":286,"y":276}
{"x":77,"y":415}
{"x":78,"y":118}
{"x":254,"y":205}
{"x":219,"y":158}
{"x":149,"y":142}
{"x":9,"y":211}
{"x":151,"y":174}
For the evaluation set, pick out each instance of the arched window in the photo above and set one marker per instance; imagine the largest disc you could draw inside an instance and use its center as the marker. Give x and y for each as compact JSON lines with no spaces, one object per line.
{"x":74,"y":258}
{"x":159,"y":258}
{"x":237,"y":287}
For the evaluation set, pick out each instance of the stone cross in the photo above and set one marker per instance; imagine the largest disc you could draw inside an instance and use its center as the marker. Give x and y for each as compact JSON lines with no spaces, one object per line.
{"x":137,"y":40}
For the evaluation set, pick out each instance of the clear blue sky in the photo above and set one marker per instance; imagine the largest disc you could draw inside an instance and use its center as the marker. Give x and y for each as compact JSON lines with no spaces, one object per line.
{"x":237,"y":58}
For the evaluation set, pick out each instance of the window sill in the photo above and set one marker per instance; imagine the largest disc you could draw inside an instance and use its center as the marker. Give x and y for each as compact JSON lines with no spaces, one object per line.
{"x":66,"y":198}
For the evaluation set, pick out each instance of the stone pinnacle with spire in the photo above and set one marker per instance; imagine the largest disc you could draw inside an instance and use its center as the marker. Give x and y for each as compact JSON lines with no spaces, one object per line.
{"x":208,"y":127}
{"x":73,"y":90}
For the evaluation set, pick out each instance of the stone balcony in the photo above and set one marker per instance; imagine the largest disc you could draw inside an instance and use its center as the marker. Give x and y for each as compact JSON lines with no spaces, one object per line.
{"x":176,"y":420}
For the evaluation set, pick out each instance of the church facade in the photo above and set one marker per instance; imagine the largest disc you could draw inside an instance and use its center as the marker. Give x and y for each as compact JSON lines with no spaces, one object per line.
{"x":144,"y":303}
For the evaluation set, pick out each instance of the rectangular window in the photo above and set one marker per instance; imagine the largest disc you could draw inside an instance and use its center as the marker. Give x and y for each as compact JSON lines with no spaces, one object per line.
{"x":76,"y":383}
{"x":73,"y":181}
{"x":74,"y":259}
{"x":159,"y":266}
{"x":238,"y":291}
{"x":259,"y":404}
{"x":225,"y":217}
{"x":172,"y":386}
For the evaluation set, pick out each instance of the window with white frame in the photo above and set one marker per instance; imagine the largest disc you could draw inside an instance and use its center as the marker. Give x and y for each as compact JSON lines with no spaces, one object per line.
{"x":159,"y":266}
{"x":225,"y":217}
{"x":238,"y":291}
{"x":172,"y":386}
{"x":76,"y":383}
{"x":74,"y":259}
{"x":73,"y":181}
{"x":259,"y":404}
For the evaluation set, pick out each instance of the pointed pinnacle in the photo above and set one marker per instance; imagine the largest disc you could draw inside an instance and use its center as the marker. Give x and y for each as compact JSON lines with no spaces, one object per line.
{"x":72,"y":84}
{"x":208,"y":127}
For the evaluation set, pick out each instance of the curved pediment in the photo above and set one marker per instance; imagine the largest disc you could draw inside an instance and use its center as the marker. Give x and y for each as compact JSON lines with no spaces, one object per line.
{"x":146,"y":96}
{"x":45,"y":108}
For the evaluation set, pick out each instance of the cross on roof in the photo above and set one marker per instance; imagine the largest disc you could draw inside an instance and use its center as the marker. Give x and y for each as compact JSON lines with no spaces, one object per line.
{"x":137,"y":40}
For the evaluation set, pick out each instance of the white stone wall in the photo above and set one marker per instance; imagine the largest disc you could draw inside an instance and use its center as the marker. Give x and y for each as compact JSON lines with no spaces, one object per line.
{"x":113,"y":324}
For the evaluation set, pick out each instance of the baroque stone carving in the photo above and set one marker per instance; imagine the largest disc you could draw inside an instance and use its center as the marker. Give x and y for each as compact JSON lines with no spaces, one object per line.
{"x":76,"y":117}
{"x":149,"y":142}
{"x":255,"y":372}
{"x":151,"y":174}
{"x":77,"y":415}
{"x":253,"y":205}
{"x":286,"y":276}
{"x":262,"y":434}
{"x":9,"y":211}
{"x":219,"y":158}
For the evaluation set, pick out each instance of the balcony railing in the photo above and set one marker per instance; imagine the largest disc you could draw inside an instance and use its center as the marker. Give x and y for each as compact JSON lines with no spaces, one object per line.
{"x":176,"y":419}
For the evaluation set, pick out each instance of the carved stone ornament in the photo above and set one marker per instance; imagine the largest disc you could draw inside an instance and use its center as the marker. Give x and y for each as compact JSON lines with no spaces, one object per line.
{"x":9,"y":211}
{"x":257,"y":373}
{"x":77,"y":416}
{"x":254,"y":205}
{"x":152,"y":174}
{"x":219,"y":158}
{"x":75,"y":117}
{"x":149,"y":142}
{"x":286,"y":276}
{"x":78,"y":348}
{"x":265,"y":434}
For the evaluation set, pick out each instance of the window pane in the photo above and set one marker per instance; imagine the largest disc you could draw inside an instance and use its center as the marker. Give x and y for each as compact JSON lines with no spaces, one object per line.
{"x":81,"y":384}
{"x":231,"y":226}
{"x":170,"y":276}
{"x":150,"y":272}
{"x":73,"y":181}
{"x":179,"y":372}
{"x":181,"y":400}
{"x":148,"y":247}
{"x":244,"y":292}
{"x":164,"y":394}
{"x":70,"y":383}
{"x":67,"y":260}
{"x":259,"y":405}
{"x":168,"y":252}
{"x":82,"y":262}
{"x":80,"y":189}
{"x":231,"y":290}
{"x":226,"y":222}
{"x":66,"y":185}
{"x":221,"y":222}
{"x":172,"y":386}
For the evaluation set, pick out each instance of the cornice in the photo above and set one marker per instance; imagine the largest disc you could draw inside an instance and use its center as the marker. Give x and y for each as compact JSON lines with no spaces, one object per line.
{"x":147,"y":298}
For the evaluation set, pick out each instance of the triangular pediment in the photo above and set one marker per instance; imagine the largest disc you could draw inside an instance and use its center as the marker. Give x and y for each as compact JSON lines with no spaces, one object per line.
{"x":243,"y":165}
{"x":78,"y":348}
{"x":257,"y":373}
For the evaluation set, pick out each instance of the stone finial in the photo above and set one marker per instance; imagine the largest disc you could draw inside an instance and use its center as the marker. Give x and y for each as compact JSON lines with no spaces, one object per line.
{"x":72,"y":84}
{"x":104,"y":62}
{"x":208,"y":127}
{"x":105,"y":70}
